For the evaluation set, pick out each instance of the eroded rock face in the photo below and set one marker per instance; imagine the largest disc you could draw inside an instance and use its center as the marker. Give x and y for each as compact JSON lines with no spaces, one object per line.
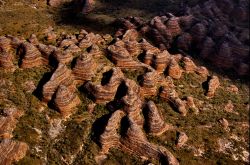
{"x":8,"y":121}
{"x":156,"y":124}
{"x":106,"y":93}
{"x":133,"y":102}
{"x":31,"y":56}
{"x":6,"y":54}
{"x":110,"y":137}
{"x":121,"y":56}
{"x":66,"y":100}
{"x":149,"y":85}
{"x":136,"y":142}
{"x":85,"y":68}
{"x":174,"y":69}
{"x":12,"y":151}
{"x":61,"y":76}
{"x":6,"y":61}
{"x":181,"y":139}
{"x":213,"y":84}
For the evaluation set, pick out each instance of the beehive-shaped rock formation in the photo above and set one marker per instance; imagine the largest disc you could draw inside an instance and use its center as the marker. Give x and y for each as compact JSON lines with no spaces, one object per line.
{"x":156,"y":124}
{"x":121,"y":57}
{"x":132,"y":102}
{"x":31,"y":56}
{"x":62,"y":56}
{"x":136,"y":142}
{"x":149,"y":84}
{"x":106,"y":93}
{"x":110,"y":137}
{"x":61,"y":76}
{"x":66,"y":100}
{"x":84,"y":68}
{"x":174,"y":70}
{"x":8,"y":121}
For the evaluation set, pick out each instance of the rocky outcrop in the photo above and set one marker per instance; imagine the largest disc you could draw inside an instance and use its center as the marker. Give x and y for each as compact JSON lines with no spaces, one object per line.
{"x":6,"y":56}
{"x":105,"y":93}
{"x":202,"y":71}
{"x":62,"y":56}
{"x":174,"y":70}
{"x":155,"y":122}
{"x":179,"y":105}
{"x":121,"y":57}
{"x":132,"y":102}
{"x":61,"y":76}
{"x":130,"y":35}
{"x":89,"y":39}
{"x":12,"y":151}
{"x":149,"y":84}
{"x":46,"y":51}
{"x":181,"y":139}
{"x":110,"y":137}
{"x":190,"y":104}
{"x":164,"y":29}
{"x":6,"y":61}
{"x":189,"y":65}
{"x":84,"y":68}
{"x":5,"y":44}
{"x":95,"y":51}
{"x":161,"y":61}
{"x":168,"y":90}
{"x":136,"y":142}
{"x":8,"y":121}
{"x":31,"y":56}
{"x":213,"y":84}
{"x":66,"y":100}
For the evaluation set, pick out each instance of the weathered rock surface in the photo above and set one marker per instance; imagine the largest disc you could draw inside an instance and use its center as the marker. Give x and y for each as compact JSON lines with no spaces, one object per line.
{"x":106,"y":93}
{"x":121,"y":56}
{"x":132,"y":102}
{"x":66,"y":100}
{"x":110,"y":137}
{"x":190,"y":104}
{"x":174,"y":69}
{"x":149,"y":84}
{"x":8,"y":121}
{"x":12,"y":151}
{"x":31,"y":56}
{"x":6,"y":61}
{"x":156,"y":124}
{"x":181,"y":139}
{"x":213,"y":84}
{"x":84,"y":68}
{"x":136,"y":142}
{"x":61,"y":76}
